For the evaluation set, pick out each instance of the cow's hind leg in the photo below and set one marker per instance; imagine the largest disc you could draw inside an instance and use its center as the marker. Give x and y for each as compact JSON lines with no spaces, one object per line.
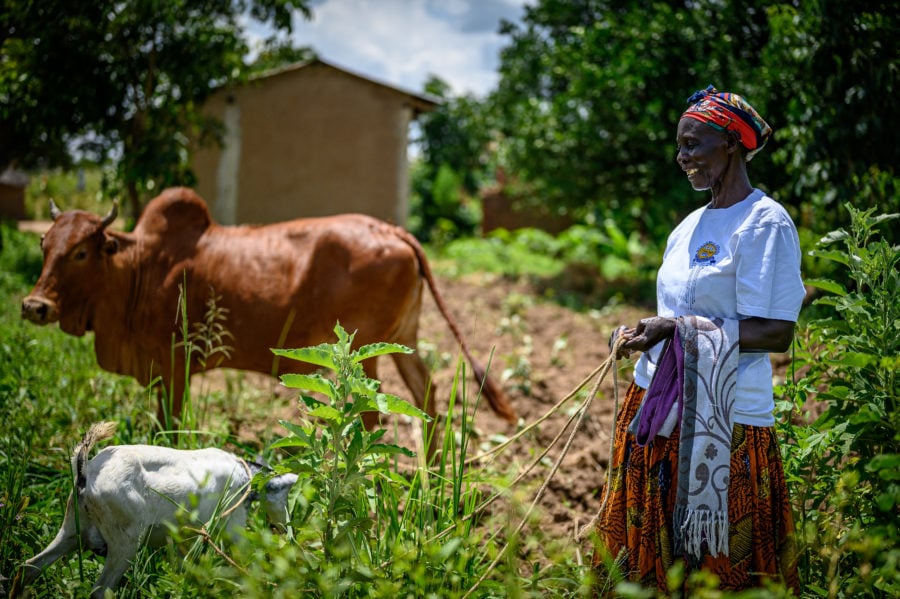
{"x":418,"y":379}
{"x":371,"y":419}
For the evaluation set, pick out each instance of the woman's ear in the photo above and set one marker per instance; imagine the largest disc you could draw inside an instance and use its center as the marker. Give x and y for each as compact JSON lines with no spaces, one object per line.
{"x":732,"y":140}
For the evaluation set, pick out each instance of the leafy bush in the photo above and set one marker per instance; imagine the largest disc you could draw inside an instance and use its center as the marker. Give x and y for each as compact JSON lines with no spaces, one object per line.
{"x":845,"y":467}
{"x":581,"y":267}
{"x":85,"y":189}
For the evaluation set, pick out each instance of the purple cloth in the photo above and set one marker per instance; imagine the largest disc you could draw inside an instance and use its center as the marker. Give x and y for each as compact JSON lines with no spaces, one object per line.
{"x":666,"y":389}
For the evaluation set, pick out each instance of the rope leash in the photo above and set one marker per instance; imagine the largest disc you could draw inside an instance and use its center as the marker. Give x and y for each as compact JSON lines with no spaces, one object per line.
{"x":580,"y":413}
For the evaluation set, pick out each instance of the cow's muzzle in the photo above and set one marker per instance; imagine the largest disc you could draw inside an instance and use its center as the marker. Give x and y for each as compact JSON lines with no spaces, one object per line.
{"x":39,"y":310}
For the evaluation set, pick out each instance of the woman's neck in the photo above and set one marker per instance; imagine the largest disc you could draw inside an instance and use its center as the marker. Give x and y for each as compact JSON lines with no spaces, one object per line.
{"x":732,"y":187}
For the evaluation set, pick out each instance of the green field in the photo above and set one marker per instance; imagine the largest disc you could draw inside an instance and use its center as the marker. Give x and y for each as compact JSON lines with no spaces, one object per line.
{"x":370,"y":520}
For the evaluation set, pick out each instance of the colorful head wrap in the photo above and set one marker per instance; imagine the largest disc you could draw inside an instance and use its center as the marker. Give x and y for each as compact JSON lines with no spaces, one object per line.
{"x":729,"y":112}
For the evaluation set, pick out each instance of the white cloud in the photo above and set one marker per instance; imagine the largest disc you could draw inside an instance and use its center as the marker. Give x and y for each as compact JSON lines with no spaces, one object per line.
{"x":402,"y":42}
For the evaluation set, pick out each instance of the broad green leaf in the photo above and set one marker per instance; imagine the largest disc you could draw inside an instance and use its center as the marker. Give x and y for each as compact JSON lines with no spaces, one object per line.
{"x":835,"y":324}
{"x":854,"y":360}
{"x":887,"y":465}
{"x":342,"y":335}
{"x":827,"y":285}
{"x":310,"y":382}
{"x":396,"y":478}
{"x":300,"y":431}
{"x":838,"y":235}
{"x":833,"y":255}
{"x":290,"y":442}
{"x":391,"y":404}
{"x":880,"y":218}
{"x":364,"y":387}
{"x":379,"y":349}
{"x":310,"y":402}
{"x":830,"y":300}
{"x":326,"y":413}
{"x":887,"y":501}
{"x":319,"y":355}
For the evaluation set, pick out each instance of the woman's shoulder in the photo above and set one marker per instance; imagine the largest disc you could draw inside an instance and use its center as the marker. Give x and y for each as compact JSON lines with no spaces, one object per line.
{"x":766,"y":211}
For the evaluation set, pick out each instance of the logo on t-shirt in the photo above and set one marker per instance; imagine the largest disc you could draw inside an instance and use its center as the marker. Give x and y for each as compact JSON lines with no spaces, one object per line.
{"x":706,"y":253}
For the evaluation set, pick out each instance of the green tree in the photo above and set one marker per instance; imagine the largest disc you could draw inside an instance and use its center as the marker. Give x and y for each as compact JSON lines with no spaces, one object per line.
{"x":832,"y":69}
{"x":591,"y":91}
{"x":454,"y":143}
{"x":122,"y":79}
{"x":278,"y":53}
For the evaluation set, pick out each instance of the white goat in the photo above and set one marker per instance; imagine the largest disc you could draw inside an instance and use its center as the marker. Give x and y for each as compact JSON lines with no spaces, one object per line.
{"x":128,"y":494}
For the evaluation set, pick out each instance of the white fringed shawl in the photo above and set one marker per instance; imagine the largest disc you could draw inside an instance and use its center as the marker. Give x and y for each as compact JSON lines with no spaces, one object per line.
{"x":711,"y":349}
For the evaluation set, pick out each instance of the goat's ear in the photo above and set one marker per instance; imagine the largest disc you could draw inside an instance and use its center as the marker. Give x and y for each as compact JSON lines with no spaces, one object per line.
{"x":110,"y":245}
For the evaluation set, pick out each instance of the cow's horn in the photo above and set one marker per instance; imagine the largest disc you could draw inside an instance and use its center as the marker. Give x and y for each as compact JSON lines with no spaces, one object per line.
{"x":111,"y":216}
{"x":54,"y":211}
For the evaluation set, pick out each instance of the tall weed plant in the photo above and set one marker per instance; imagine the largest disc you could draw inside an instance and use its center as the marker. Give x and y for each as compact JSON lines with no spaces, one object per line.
{"x":845,"y":466}
{"x":370,"y":518}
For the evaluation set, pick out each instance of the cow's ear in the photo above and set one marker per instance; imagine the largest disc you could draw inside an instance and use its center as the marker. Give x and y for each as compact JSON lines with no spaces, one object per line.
{"x":110,"y":245}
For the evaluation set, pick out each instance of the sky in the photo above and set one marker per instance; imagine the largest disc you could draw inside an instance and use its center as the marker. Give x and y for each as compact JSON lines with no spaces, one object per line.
{"x":402,"y":42}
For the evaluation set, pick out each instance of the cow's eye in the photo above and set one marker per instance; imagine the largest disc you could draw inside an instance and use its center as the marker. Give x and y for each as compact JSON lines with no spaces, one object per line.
{"x":80,"y":254}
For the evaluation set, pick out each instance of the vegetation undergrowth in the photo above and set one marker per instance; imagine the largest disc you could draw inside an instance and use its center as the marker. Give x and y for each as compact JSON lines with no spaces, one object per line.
{"x":844,"y":467}
{"x":369,"y":518}
{"x":372,"y":519}
{"x":582,"y":267}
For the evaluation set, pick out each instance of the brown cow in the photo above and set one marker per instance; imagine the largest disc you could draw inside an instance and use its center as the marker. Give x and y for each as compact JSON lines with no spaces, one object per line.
{"x":283,"y":285}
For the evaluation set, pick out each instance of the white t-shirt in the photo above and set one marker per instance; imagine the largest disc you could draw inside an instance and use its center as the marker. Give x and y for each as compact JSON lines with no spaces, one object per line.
{"x":735,"y":263}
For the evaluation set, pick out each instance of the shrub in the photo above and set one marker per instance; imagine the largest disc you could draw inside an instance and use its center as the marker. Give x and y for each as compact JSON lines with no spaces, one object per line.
{"x":845,"y":467}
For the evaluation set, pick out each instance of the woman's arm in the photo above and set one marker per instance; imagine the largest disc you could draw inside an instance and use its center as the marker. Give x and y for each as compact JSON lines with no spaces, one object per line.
{"x":766,"y":334}
{"x":756,"y":334}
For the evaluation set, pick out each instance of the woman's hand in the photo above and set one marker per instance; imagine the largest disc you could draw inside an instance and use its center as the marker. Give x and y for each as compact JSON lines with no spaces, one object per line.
{"x":756,"y":334}
{"x":648,"y":333}
{"x":645,"y":335}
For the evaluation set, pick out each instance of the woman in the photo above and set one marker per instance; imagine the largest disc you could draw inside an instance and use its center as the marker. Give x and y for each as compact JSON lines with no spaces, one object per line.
{"x":728,"y":292}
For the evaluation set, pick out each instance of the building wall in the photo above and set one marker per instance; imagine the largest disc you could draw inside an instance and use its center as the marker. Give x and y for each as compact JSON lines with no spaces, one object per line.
{"x":12,"y":202}
{"x":311,"y":141}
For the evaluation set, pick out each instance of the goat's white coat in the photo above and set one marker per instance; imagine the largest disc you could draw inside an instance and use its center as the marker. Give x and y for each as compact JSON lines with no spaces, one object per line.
{"x":127,"y":494}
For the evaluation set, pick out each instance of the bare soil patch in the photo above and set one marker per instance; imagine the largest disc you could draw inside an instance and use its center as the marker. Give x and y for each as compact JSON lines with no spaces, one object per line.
{"x":545,"y":350}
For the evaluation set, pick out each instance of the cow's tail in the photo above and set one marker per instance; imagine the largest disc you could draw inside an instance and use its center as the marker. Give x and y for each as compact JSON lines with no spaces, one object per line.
{"x":495,"y":396}
{"x":98,"y":432}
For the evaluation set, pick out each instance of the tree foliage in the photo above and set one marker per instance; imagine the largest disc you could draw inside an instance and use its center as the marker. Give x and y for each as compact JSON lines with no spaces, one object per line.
{"x":120,"y":78}
{"x":591,"y":92}
{"x":453,"y":143}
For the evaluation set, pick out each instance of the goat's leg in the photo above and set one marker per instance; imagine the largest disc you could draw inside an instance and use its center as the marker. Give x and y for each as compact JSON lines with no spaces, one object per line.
{"x":65,"y":542}
{"x":122,"y":546}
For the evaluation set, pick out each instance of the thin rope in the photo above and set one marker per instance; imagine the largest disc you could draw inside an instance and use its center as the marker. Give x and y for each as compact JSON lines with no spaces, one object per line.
{"x":502,"y":446}
{"x":581,"y":412}
{"x":612,"y":440}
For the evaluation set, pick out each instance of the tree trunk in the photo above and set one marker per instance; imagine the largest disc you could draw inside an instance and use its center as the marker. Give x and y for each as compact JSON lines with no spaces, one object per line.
{"x":134,"y":200}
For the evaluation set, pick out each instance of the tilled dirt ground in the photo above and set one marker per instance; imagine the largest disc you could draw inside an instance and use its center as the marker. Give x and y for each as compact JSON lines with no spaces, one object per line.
{"x":539,"y":353}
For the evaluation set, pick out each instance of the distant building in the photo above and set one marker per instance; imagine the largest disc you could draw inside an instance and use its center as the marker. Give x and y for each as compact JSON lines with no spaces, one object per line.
{"x":12,"y":194}
{"x":311,"y":139}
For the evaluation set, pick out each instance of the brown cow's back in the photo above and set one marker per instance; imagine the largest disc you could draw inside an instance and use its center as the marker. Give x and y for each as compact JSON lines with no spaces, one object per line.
{"x":288,"y":284}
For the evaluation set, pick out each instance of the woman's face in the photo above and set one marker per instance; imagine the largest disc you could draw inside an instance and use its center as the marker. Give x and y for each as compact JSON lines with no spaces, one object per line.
{"x":703,"y":153}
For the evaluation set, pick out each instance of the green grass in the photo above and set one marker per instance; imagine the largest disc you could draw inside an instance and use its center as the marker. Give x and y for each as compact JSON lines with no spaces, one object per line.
{"x":414,"y":532}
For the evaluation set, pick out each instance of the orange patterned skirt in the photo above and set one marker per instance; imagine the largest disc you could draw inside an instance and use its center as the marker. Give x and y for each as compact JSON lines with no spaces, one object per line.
{"x":635,"y":524}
